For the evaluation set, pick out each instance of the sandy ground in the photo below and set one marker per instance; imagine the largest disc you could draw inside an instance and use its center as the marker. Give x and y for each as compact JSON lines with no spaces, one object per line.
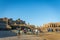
{"x":50,"y":36}
{"x":22,"y":37}
{"x":7,"y":35}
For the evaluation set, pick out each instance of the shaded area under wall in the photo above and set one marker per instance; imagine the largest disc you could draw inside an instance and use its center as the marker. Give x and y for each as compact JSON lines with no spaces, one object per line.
{"x":7,"y":34}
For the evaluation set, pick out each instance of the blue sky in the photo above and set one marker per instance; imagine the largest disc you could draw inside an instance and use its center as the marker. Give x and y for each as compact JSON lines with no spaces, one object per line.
{"x":36,"y":12}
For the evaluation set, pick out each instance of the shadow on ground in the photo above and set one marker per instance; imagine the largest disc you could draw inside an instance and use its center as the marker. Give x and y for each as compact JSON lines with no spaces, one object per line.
{"x":7,"y":34}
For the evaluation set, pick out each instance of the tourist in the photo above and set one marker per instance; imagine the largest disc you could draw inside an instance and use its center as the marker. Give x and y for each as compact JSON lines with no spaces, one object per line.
{"x":25,"y":31}
{"x":36,"y":31}
{"x":18,"y":31}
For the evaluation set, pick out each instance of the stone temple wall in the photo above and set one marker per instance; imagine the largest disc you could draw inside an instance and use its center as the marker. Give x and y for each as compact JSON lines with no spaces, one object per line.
{"x":55,"y":27}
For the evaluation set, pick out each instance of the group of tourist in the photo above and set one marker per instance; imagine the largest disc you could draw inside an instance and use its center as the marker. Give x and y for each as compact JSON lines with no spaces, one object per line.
{"x":24,"y":31}
{"x":19,"y":31}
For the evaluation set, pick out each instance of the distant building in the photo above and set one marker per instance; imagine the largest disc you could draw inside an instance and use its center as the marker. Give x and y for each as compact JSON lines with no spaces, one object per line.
{"x":51,"y":27}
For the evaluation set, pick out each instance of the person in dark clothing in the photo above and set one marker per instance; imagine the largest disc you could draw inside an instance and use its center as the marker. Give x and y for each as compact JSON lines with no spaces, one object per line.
{"x":25,"y":31}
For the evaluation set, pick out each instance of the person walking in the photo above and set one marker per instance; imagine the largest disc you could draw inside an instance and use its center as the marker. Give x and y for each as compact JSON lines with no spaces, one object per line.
{"x":36,"y":31}
{"x":25,"y":31}
{"x":18,"y":31}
